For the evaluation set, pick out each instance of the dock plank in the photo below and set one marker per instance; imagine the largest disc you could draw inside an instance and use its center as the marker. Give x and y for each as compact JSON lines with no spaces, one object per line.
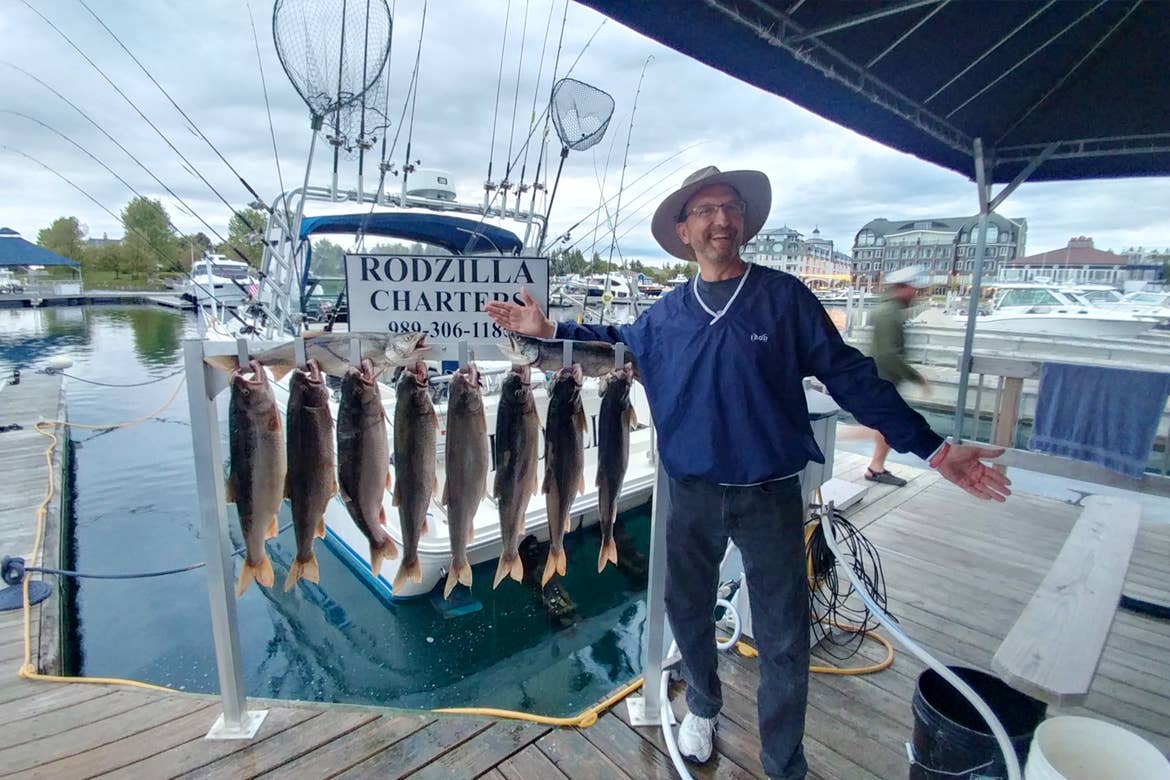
{"x":419,"y":749}
{"x":351,"y":749}
{"x":530,"y":764}
{"x":576,"y":758}
{"x":490,"y":747}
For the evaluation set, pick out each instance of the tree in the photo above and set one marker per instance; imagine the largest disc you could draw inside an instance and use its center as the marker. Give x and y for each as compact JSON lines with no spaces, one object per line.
{"x":564,"y":262}
{"x":105,"y":258}
{"x":328,"y":259}
{"x":63,"y":237}
{"x":149,"y":244}
{"x":191,"y":248}
{"x":245,"y":239}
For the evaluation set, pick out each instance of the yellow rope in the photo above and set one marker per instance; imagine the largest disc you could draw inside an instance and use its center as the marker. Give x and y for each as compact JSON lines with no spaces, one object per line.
{"x":747,"y":651}
{"x":27,"y":670}
{"x":582,"y":721}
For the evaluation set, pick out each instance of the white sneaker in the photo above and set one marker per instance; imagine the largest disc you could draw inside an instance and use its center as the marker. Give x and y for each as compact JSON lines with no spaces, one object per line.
{"x":695,"y":736}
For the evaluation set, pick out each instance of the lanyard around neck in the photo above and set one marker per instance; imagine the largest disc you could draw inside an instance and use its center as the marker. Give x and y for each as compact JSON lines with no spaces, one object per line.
{"x":715,"y":315}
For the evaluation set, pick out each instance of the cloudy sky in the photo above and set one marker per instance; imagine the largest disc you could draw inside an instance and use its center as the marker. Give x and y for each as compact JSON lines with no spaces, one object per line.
{"x":686,"y":116}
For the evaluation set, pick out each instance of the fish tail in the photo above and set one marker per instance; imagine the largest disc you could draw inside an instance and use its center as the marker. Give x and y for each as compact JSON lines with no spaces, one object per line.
{"x":255,"y":572}
{"x":608,"y":554}
{"x":410,"y":569}
{"x":380,"y":551}
{"x":510,"y":566}
{"x":228,"y":363}
{"x":302,"y":570}
{"x":460,"y":573}
{"x":562,"y":561}
{"x":554,"y":565}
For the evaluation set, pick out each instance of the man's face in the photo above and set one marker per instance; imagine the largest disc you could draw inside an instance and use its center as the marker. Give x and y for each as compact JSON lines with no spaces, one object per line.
{"x":714,"y":238}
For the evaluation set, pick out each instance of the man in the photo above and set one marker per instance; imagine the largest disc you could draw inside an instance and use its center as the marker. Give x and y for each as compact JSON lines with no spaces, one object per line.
{"x":888,"y":350}
{"x":722,"y":359}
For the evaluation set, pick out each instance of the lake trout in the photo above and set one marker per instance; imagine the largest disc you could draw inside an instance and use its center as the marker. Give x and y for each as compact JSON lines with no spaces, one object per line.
{"x":595,"y":358}
{"x":331,"y":351}
{"x":615,"y":420}
{"x":311,"y":481}
{"x":517,"y":460}
{"x":466,"y":468}
{"x":564,"y":462}
{"x":255,"y":482}
{"x":363,"y":459}
{"x":416,"y":428}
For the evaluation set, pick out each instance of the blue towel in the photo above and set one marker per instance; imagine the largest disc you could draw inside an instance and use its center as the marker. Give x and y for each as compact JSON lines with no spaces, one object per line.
{"x":1107,"y":416}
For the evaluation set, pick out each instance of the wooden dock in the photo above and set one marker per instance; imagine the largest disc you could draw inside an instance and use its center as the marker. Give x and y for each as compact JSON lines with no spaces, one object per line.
{"x":32,"y":300}
{"x":959,"y":572}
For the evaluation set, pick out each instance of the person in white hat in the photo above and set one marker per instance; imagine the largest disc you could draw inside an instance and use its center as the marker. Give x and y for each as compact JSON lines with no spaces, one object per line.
{"x":723,"y":359}
{"x":888,"y":350}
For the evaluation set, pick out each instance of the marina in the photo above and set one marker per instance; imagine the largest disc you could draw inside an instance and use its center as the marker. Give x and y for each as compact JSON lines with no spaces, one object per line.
{"x":856,"y":724}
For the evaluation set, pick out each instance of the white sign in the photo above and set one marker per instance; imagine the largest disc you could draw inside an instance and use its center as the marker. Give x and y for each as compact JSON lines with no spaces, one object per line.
{"x":440,"y":295}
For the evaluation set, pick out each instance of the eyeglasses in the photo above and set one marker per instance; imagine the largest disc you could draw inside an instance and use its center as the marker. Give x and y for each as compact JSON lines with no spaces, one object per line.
{"x":732,"y":208}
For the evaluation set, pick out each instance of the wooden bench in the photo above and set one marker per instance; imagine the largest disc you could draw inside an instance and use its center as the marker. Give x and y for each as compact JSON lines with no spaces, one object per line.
{"x":1052,"y":651}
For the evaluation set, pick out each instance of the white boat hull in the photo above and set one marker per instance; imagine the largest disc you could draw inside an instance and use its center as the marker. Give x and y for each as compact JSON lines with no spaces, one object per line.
{"x":1082,"y":325}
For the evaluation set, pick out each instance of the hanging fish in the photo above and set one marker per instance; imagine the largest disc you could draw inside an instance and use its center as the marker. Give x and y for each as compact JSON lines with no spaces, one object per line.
{"x":255,"y":482}
{"x":416,"y":429}
{"x":466,"y":468}
{"x":517,"y":461}
{"x":311,"y":482}
{"x":331,"y":351}
{"x":564,"y":459}
{"x":615,"y":420}
{"x":592,"y":358}
{"x":363,"y":459}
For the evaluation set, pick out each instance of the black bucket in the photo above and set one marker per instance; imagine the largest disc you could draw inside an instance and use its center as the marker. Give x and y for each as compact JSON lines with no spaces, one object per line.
{"x":952,"y":741}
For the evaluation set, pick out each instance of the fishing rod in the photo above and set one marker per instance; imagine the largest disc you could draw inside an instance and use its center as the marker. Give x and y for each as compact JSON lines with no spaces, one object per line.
{"x":522,"y":188}
{"x":622,"y":179}
{"x":268,"y":109}
{"x":161,"y":255}
{"x":255,"y":196}
{"x":136,"y":161}
{"x":138,"y":111}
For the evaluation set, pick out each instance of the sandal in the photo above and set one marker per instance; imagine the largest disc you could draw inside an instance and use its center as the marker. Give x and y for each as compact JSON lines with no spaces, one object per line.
{"x":884,"y":477}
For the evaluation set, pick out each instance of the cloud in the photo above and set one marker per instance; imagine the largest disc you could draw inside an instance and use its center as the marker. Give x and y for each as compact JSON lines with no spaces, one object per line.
{"x":687,"y":115}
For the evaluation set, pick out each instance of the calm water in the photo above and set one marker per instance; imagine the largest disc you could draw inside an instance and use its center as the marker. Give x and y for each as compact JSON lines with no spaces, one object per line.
{"x":134,"y":510}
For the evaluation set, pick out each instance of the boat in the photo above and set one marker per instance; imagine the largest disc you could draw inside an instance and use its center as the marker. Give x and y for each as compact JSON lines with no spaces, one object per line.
{"x":284,"y":307}
{"x":848,"y":297}
{"x":1029,"y":307}
{"x":596,"y":286}
{"x":217,"y":281}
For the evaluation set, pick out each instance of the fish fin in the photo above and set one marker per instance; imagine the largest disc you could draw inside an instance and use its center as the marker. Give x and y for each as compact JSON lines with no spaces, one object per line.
{"x":548,"y":479}
{"x":410,"y":570}
{"x":274,"y":420}
{"x":632,"y":417}
{"x":460,"y":573}
{"x":562,"y":561}
{"x":581,"y":481}
{"x":320,"y":532}
{"x":425,"y":527}
{"x":280,"y":370}
{"x":273,"y":529}
{"x":382,"y":514}
{"x":502,"y":570}
{"x":258,"y":572}
{"x":302,"y":570}
{"x":389,"y":480}
{"x":247,"y":576}
{"x":230,"y":490}
{"x":379,"y":553}
{"x":550,"y":568}
{"x":341,"y":491}
{"x":579,"y":419}
{"x":446,"y":487}
{"x":470,"y":534}
{"x":607,"y":554}
{"x":517,"y":569}
{"x":228,"y":363}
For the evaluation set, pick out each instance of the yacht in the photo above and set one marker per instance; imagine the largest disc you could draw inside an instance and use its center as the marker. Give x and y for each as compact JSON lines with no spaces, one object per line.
{"x":217,"y":281}
{"x":1041,"y":308}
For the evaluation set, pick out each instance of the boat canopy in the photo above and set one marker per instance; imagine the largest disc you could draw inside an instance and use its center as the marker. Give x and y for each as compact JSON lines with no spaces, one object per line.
{"x":15,"y":251}
{"x":455,"y":234}
{"x":928,"y":77}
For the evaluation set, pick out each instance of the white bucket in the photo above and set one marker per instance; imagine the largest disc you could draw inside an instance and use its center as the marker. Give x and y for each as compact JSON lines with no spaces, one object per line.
{"x":1074,"y":748}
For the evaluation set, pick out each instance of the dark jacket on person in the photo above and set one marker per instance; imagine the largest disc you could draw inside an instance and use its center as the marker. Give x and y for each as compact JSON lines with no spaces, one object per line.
{"x":726,"y":392}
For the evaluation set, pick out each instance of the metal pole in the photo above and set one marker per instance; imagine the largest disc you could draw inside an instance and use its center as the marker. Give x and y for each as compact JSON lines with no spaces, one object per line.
{"x":976,"y":279}
{"x":202,"y":387}
{"x":656,"y":636}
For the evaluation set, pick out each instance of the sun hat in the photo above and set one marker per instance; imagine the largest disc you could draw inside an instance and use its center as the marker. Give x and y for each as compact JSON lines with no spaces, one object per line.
{"x":909,"y":276}
{"x":752,"y":186}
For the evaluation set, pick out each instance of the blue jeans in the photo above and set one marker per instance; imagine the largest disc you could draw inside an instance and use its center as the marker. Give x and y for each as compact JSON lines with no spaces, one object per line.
{"x":765,"y":522}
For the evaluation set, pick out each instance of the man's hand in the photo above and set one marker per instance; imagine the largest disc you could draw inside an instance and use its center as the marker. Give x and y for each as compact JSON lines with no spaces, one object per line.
{"x":526,"y":319}
{"x":962,"y":465}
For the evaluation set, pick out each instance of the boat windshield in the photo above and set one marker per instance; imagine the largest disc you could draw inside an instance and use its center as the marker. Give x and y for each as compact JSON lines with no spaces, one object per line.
{"x":1029,"y":296}
{"x":226,"y":271}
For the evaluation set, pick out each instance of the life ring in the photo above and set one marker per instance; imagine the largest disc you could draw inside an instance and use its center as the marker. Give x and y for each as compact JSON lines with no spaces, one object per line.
{"x":606,"y":298}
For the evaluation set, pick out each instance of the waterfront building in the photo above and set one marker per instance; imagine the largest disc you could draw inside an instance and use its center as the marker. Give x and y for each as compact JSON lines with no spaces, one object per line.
{"x":943,"y":248}
{"x":814,"y":259}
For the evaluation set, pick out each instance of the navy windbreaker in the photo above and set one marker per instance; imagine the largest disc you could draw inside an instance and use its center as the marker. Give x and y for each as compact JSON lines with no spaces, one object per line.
{"x":727,"y":395}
